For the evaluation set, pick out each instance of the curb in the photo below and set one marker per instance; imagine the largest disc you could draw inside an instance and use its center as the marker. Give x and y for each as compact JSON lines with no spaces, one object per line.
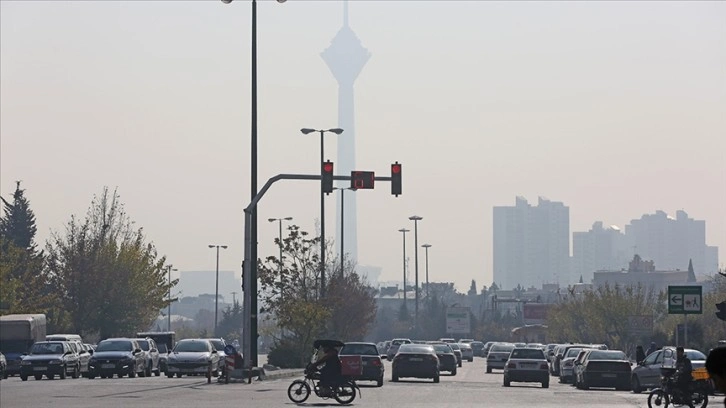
{"x":259,"y":374}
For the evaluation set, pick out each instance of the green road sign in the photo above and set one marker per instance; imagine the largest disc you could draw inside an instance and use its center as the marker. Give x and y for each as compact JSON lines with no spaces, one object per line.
{"x":685,"y":300}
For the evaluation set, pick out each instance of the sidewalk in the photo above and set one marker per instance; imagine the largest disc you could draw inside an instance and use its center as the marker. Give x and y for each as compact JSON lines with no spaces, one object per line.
{"x":262,"y":374}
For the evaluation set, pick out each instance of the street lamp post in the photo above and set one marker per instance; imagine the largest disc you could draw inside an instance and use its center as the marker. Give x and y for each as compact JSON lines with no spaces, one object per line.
{"x":415,"y":219}
{"x":342,"y":228}
{"x":337,"y":131}
{"x":216,"y":290}
{"x":168,"y":314}
{"x":280,"y":221}
{"x":404,"y":231}
{"x":426,"y":247}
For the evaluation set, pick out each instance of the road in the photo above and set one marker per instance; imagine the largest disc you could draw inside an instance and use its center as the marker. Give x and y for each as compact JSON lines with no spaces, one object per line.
{"x":471,"y":387}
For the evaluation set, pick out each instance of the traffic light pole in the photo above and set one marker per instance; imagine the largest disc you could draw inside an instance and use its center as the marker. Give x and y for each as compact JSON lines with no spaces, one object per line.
{"x":249,"y":268}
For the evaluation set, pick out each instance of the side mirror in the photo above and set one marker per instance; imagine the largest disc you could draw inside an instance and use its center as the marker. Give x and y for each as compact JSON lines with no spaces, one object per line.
{"x":154,"y":350}
{"x":214,"y":351}
{"x":137,"y":351}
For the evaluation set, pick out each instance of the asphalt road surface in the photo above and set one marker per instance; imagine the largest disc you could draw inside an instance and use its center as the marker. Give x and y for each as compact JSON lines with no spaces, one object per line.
{"x":471,"y":387}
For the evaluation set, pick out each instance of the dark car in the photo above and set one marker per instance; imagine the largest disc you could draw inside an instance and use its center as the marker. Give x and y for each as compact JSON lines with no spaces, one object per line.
{"x":152,"y":357}
{"x":415,"y":360}
{"x":50,"y":358}
{"x":605,"y":368}
{"x":372,"y":365}
{"x":478,"y":348}
{"x":447,"y":358}
{"x":163,"y":355}
{"x":117,"y":356}
{"x":457,"y":353}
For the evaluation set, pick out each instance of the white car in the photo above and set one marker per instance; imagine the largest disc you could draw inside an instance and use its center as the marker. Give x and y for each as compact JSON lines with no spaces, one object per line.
{"x":527,"y":365}
{"x":567,"y":365}
{"x":498,"y":356}
{"x":467,"y":353}
{"x":193,"y":356}
{"x":393,"y":348}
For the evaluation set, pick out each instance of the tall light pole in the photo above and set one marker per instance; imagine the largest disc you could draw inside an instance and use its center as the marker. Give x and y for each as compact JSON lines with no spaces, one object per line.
{"x":253,"y":184}
{"x":342,"y":228}
{"x":280,"y":241}
{"x":404,"y":231}
{"x":426,"y":247}
{"x":322,"y":132}
{"x":168,"y":314}
{"x":415,"y":219}
{"x":216,"y":290}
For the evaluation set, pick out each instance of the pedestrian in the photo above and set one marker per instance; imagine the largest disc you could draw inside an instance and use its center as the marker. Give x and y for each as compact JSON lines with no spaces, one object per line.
{"x":716,"y":367}
{"x":639,"y":354}
{"x":651,"y":349}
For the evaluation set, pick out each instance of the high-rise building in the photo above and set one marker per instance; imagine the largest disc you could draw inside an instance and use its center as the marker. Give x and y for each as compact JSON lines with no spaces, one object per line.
{"x":531,"y":244}
{"x":672,"y":242}
{"x":346,"y":57}
{"x":599,"y":249}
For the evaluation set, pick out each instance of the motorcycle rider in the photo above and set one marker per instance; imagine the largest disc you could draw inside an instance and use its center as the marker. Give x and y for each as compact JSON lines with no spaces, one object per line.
{"x":331,"y":372}
{"x":683,"y":375}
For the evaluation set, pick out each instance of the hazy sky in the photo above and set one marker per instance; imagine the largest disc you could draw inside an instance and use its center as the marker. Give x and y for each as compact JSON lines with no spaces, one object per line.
{"x":615,"y":108}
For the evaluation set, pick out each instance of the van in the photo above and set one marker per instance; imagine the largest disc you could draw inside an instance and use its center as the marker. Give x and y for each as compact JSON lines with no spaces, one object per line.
{"x":64,"y":337}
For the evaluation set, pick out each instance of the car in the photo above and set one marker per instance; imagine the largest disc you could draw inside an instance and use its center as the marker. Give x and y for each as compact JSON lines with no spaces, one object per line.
{"x":498,"y":356}
{"x":567,"y":365}
{"x":447,"y":358}
{"x":559,"y":355}
{"x":163,"y":355}
{"x":577,"y":369}
{"x":3,"y":366}
{"x":526,"y":365}
{"x":647,"y":374}
{"x":120,"y":356}
{"x":219,"y":345}
{"x":373,"y":369}
{"x":84,"y":357}
{"x":457,"y":353}
{"x":415,"y":360}
{"x":151,"y":353}
{"x":467,"y":353}
{"x":447,"y":340}
{"x":467,"y":341}
{"x":550,"y":351}
{"x":605,"y":368}
{"x":478,"y":348}
{"x":192,"y":357}
{"x":487,"y":346}
{"x":50,"y":358}
{"x":393,"y":348}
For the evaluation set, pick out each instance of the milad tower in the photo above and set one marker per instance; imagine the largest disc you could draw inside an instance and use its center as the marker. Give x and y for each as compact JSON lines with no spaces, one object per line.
{"x":346,"y":57}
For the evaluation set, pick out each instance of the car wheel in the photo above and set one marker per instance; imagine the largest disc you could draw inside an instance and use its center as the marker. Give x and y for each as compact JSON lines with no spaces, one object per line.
{"x":25,"y":377}
{"x":507,"y":383}
{"x":436,"y":379}
{"x":169,"y":375}
{"x":394,"y":377}
{"x":37,"y":377}
{"x":50,"y":376}
{"x":585,"y":386}
{"x":158,"y":371}
{"x":461,"y":364}
{"x":76,"y":372}
{"x":453,"y":372}
{"x":489,"y":370}
{"x":148,"y":370}
{"x":546,"y":384}
{"x":379,"y":383}
{"x":635,"y":385}
{"x":90,"y":376}
{"x":471,"y":360}
{"x":62,"y":374}
{"x":132,"y":371}
{"x":103,"y":375}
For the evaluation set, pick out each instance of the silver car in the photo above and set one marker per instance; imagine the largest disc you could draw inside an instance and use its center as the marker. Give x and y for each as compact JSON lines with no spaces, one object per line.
{"x":498,"y":356}
{"x":467,"y":353}
{"x":193,"y":357}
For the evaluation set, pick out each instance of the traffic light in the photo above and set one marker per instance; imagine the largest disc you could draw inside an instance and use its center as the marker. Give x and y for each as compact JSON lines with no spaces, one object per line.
{"x":327,"y":177}
{"x":721,"y":314}
{"x":396,"y":179}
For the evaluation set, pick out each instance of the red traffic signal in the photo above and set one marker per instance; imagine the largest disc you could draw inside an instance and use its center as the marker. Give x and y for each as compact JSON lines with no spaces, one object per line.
{"x":396,"y":179}
{"x":326,"y":177}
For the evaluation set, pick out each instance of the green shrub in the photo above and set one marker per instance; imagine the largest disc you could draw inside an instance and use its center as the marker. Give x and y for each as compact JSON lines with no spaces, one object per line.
{"x":286,"y":354}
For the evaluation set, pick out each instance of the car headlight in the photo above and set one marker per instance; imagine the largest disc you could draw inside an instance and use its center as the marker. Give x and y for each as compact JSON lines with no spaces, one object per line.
{"x":203,"y":359}
{"x":23,"y":362}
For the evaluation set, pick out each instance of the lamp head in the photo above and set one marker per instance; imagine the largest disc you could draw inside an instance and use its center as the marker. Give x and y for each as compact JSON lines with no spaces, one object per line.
{"x":426,"y":245}
{"x":337,"y":131}
{"x":404,"y":230}
{"x":305,"y":131}
{"x":211,"y":246}
{"x":272,"y":219}
{"x":228,"y":1}
{"x":415,"y":218}
{"x":224,"y":246}
{"x":287,"y":218}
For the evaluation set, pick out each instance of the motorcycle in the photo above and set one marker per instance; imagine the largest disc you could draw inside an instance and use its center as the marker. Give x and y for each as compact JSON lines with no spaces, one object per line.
{"x":670,"y":393}
{"x":344,"y":392}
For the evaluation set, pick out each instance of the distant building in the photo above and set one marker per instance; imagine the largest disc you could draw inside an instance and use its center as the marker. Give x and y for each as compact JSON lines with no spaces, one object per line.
{"x":671,"y":242}
{"x":195,"y":283}
{"x":531,"y":244}
{"x":643,"y":273}
{"x":604,"y":249}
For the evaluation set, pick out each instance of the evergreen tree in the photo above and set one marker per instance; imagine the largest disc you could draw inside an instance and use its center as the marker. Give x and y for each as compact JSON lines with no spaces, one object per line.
{"x":17,"y":226}
{"x":472,"y":288}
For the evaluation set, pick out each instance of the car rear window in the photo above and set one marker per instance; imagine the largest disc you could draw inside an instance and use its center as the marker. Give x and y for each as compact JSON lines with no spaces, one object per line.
{"x":573,"y":352}
{"x":498,"y":348}
{"x":606,"y":355}
{"x":359,"y":349}
{"x":442,"y":348}
{"x":415,"y":348}
{"x":527,"y":353}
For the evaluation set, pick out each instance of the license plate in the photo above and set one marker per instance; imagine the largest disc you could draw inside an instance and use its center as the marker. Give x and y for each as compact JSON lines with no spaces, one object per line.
{"x":108,"y":365}
{"x":416,"y":359}
{"x":609,"y":375}
{"x":40,"y":368}
{"x":528,"y":364}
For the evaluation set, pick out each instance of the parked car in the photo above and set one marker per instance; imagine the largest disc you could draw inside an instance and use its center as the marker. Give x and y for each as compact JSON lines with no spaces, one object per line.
{"x":50,"y":358}
{"x":163,"y":355}
{"x":192,"y":356}
{"x":560,"y":354}
{"x":526,"y":365}
{"x":84,"y":357}
{"x":577,"y":369}
{"x":488,"y":345}
{"x":219,"y":344}
{"x":373,"y":369}
{"x":457,"y":352}
{"x":415,"y":360}
{"x":393,"y":348}
{"x":467,"y":353}
{"x":467,"y":341}
{"x":605,"y":368}
{"x":567,"y":365}
{"x":647,"y":374}
{"x":120,"y":356}
{"x":3,"y":366}
{"x":498,"y":356}
{"x":478,"y":348}
{"x":550,"y":351}
{"x":151,"y":354}
{"x":447,"y":358}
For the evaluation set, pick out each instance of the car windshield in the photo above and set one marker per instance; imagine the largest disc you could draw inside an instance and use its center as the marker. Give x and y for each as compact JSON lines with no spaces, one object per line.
{"x":442,"y":348}
{"x":454,"y":346}
{"x":695,"y":355}
{"x":606,"y":355}
{"x":573,"y":352}
{"x":191,"y":346}
{"x":217,"y":344}
{"x":359,"y":349}
{"x":464,"y":346}
{"x":115,"y":345}
{"x":501,"y":348}
{"x":144,"y":344}
{"x":47,"y":348}
{"x":416,"y":348}
{"x":162,"y":348}
{"x":399,"y":342}
{"x":527,"y":353}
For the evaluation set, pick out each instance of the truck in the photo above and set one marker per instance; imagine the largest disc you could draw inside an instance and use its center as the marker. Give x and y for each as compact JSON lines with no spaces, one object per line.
{"x":17,"y":333}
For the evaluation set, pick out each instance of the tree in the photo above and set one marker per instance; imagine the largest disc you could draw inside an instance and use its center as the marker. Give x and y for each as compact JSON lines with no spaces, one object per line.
{"x":231,"y":324}
{"x":111,"y":280}
{"x":18,"y":224}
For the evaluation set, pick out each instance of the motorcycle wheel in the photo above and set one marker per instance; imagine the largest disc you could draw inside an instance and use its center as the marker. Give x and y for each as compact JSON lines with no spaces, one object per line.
{"x":658,"y":398}
{"x":701,"y":401}
{"x":298,"y":391}
{"x":345,"y":394}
